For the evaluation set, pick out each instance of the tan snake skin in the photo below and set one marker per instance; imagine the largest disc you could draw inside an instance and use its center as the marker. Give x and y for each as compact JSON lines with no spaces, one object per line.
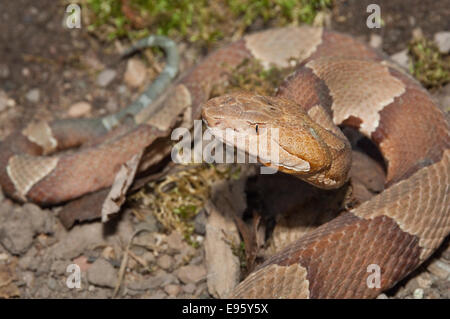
{"x":339,"y":80}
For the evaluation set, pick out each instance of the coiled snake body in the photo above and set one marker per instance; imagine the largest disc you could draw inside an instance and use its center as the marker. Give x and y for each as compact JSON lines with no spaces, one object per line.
{"x":339,"y":81}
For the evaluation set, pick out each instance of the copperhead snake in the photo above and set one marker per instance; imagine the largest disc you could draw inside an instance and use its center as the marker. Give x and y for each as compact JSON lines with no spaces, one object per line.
{"x":339,"y":81}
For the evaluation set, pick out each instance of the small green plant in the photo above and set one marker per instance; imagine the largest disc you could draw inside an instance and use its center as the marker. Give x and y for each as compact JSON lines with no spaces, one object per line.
{"x":108,"y":13}
{"x":428,"y":65}
{"x":283,"y":11}
{"x":177,"y":198}
{"x":201,"y":21}
{"x":239,"y":251}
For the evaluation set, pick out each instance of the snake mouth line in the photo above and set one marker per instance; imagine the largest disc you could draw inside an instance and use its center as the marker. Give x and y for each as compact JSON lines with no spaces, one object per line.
{"x":236,"y":139}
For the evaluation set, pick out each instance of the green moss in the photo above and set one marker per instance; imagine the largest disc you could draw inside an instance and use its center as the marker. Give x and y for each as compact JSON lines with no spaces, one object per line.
{"x":239,"y":251}
{"x":200,"y":21}
{"x":186,"y":212}
{"x":428,"y":65}
{"x":282,"y":11}
{"x":176,"y":199}
{"x":108,"y":13}
{"x":251,"y":76}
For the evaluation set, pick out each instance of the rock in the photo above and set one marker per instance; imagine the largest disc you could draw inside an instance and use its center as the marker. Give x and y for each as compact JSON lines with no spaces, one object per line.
{"x":4,"y":71}
{"x":43,"y":292}
{"x":202,"y":291}
{"x":19,"y":226}
{"x":376,"y":41}
{"x":191,"y":273}
{"x":43,"y":267}
{"x":79,"y":109}
{"x":197,"y":260}
{"x":175,"y":242}
{"x":172,"y":290}
{"x":89,"y":236}
{"x":112,"y":106}
{"x":122,"y":89}
{"x":41,"y":220}
{"x":439,"y":268}
{"x":135,"y":73}
{"x":80,"y":237}
{"x":382,"y":296}
{"x":26,"y":72}
{"x":91,"y":60}
{"x":433,"y":294}
{"x":52,"y":284}
{"x":165,"y":262}
{"x":149,"y":257}
{"x":322,"y":19}
{"x":33,"y":95}
{"x":222,"y":264}
{"x":443,"y":286}
{"x":424,"y":280}
{"x":82,"y":262}
{"x":442,"y":98}
{"x":3,"y":101}
{"x":150,"y":223}
{"x":102,"y":274}
{"x":401,"y":58}
{"x":417,"y":33}
{"x":200,"y":222}
{"x":189,"y":288}
{"x":106,"y":77}
{"x":446,"y":252}
{"x":30,"y":260}
{"x":159,"y":294}
{"x":28,"y":278}
{"x":442,"y":40}
{"x":59,"y":267}
{"x":418,"y":293}
{"x":153,"y":282}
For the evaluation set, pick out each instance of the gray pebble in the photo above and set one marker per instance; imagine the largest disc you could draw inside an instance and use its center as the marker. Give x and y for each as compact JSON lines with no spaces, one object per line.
{"x":165,"y":262}
{"x":189,"y":288}
{"x":102,"y":274}
{"x":401,"y":58}
{"x":153,"y":282}
{"x":376,"y":41}
{"x":200,"y":222}
{"x":4,"y":71}
{"x":52,"y":284}
{"x":3,"y":101}
{"x":33,"y":95}
{"x":191,"y":273}
{"x":442,"y":40}
{"x":106,"y":77}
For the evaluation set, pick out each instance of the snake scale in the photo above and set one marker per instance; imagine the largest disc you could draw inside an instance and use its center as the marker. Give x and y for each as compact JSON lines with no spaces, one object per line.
{"x":339,"y":81}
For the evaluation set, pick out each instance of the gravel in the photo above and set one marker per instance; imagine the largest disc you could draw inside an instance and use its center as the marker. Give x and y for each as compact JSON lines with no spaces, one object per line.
{"x":102,"y":274}
{"x":105,"y":77}
{"x":191,"y":273}
{"x":33,"y":95}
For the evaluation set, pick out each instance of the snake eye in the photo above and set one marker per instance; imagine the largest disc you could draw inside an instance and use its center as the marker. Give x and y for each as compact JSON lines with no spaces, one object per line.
{"x":256,"y":128}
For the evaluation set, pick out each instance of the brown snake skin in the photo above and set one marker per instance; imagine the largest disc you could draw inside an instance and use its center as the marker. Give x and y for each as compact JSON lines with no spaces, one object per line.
{"x":338,"y":78}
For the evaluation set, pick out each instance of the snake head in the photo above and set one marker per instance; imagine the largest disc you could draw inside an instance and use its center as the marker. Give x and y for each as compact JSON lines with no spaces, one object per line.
{"x":275,"y":131}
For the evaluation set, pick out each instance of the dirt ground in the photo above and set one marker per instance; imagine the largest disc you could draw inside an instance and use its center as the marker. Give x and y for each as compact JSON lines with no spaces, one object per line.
{"x":45,"y":69}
